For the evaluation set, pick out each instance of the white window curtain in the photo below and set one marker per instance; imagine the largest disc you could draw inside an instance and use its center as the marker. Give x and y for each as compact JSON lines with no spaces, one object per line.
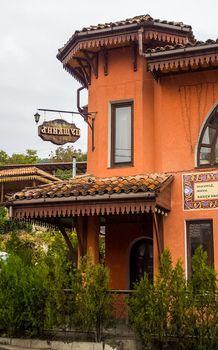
{"x":123,"y":131}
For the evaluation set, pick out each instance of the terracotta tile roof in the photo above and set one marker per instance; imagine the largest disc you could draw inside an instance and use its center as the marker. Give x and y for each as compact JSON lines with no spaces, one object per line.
{"x":191,"y":45}
{"x":120,"y":26}
{"x":21,"y":174}
{"x":134,"y":20}
{"x":84,"y":185}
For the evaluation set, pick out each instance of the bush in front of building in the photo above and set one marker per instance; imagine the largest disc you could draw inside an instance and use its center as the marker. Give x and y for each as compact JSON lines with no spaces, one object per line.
{"x":49,"y":293}
{"x":8,"y":225}
{"x":22,"y":297}
{"x":203,"y":299}
{"x":94,"y":305}
{"x":172,"y":313}
{"x":32,"y":283}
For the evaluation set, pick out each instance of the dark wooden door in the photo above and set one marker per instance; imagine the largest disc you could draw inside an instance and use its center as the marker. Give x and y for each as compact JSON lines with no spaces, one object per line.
{"x":141,"y":260}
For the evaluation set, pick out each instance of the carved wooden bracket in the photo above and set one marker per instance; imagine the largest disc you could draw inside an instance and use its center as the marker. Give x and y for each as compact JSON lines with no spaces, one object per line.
{"x":63,"y":231}
{"x":92,"y":59}
{"x":85,"y":69}
{"x":77,"y":73}
{"x":105,"y":56}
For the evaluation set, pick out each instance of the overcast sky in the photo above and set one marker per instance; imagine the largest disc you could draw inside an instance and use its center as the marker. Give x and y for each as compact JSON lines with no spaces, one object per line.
{"x":31,"y":77}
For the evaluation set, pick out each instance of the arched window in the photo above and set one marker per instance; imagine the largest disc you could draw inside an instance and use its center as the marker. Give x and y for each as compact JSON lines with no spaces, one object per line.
{"x":208,"y":143}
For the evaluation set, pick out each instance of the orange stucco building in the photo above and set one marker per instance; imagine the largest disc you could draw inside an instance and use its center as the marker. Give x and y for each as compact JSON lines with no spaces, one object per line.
{"x":152,"y":167}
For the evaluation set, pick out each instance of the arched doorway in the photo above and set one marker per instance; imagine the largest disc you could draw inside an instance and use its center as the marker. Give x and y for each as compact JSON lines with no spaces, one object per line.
{"x":141,"y":260}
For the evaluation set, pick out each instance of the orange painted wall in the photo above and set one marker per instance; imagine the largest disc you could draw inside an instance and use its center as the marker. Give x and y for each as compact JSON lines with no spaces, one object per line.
{"x":168,"y":115}
{"x":182,"y":104}
{"x":119,"y":240}
{"x":122,"y":84}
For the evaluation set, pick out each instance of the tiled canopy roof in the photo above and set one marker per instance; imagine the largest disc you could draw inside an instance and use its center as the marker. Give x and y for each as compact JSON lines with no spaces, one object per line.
{"x":133,"y":23}
{"x":193,"y":45}
{"x":28,"y":173}
{"x":81,"y":50}
{"x":82,"y":186}
{"x":134,"y":20}
{"x":172,"y":59}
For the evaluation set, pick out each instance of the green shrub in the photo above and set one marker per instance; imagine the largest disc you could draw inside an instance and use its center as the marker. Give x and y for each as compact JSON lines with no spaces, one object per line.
{"x":22,"y":297}
{"x":203,"y":294}
{"x":9,"y":225}
{"x":174,"y":314}
{"x":94,"y":305}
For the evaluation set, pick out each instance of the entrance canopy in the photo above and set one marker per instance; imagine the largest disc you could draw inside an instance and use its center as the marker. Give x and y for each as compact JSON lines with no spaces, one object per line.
{"x":89,"y":195}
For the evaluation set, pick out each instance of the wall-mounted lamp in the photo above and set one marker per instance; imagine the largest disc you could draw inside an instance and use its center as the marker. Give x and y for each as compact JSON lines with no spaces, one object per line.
{"x":37,"y":117}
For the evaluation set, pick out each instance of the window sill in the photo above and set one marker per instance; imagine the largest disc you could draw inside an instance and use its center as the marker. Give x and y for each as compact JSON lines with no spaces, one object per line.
{"x":124,"y":165}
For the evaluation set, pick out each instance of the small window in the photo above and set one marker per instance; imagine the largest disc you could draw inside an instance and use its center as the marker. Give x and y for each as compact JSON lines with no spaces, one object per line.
{"x":199,"y":232}
{"x":208,"y":142}
{"x":121,"y":134}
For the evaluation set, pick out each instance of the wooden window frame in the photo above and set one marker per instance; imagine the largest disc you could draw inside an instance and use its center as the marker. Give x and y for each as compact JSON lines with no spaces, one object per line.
{"x":114,"y":106}
{"x":188,"y":241}
{"x":210,"y":146}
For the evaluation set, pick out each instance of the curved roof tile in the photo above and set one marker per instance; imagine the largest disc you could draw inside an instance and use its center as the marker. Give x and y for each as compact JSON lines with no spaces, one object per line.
{"x":89,"y":185}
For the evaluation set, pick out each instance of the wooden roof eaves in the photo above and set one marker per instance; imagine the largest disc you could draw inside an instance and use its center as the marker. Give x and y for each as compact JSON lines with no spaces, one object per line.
{"x":125,"y":29}
{"x":158,"y":64}
{"x":43,"y":208}
{"x":70,"y":210}
{"x":179,"y":53}
{"x":19,"y":178}
{"x":166,"y":183}
{"x":80,"y":199}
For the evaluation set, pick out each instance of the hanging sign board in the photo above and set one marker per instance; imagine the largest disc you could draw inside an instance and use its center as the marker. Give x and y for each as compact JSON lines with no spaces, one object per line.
{"x":200,"y":190}
{"x":59,"y":132}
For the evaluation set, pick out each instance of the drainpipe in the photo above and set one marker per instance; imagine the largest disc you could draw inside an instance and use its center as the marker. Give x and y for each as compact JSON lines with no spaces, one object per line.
{"x":74,"y":167}
{"x":141,"y":53}
{"x":140,"y":34}
{"x":10,"y":212}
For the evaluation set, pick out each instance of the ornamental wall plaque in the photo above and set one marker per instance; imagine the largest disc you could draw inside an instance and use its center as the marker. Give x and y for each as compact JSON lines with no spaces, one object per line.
{"x":59,"y":132}
{"x":200,"y":190}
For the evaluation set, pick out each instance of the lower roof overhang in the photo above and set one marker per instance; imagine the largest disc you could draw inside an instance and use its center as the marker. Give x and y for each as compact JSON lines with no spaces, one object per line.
{"x":49,"y":209}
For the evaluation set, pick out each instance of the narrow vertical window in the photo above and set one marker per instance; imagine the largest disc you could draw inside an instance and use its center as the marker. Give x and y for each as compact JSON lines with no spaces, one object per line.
{"x":199,"y":232}
{"x":121,"y":134}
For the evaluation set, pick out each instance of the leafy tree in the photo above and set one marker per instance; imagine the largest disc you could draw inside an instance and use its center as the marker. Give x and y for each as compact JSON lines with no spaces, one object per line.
{"x":66,"y":154}
{"x":29,"y":157}
{"x":63,"y":174}
{"x":4,"y":157}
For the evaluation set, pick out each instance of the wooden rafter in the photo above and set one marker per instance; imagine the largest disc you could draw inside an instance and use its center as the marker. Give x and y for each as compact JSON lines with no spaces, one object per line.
{"x":85,"y":69}
{"x":63,"y":231}
{"x":92,"y":58}
{"x":158,"y":234}
{"x":105,"y":56}
{"x":76,"y":73}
